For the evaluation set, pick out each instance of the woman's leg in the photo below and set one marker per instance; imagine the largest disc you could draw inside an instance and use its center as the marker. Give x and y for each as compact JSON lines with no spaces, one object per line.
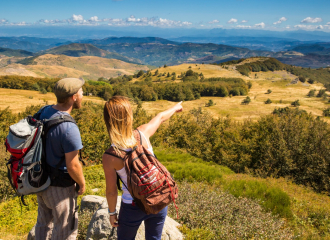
{"x":154,"y":225}
{"x":130,"y":218}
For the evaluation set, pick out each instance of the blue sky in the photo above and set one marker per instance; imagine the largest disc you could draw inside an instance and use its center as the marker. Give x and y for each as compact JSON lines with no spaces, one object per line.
{"x":247,"y":14}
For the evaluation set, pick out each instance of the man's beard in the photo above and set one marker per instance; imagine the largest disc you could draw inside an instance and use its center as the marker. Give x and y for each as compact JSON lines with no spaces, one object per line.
{"x":77,"y":104}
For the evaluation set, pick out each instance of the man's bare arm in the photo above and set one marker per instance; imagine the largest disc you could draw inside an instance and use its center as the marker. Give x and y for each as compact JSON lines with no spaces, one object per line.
{"x":75,"y":170}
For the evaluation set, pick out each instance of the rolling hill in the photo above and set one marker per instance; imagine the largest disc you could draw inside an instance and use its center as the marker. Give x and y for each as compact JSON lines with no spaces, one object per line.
{"x":88,"y":67}
{"x":80,"y":49}
{"x":14,"y":53}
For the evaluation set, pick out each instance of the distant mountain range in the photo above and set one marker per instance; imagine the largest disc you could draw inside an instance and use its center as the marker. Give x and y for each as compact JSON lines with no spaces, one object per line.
{"x":158,"y":51}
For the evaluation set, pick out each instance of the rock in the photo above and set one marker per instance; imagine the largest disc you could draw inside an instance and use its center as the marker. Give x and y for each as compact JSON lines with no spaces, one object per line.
{"x":99,"y":227}
{"x":91,"y":202}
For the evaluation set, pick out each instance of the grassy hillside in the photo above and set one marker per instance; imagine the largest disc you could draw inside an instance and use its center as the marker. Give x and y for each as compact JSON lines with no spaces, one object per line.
{"x":80,"y":50}
{"x":59,"y":66}
{"x":14,"y":53}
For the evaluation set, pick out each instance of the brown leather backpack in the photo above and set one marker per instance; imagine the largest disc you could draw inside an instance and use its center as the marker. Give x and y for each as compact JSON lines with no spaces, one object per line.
{"x":148,"y":181}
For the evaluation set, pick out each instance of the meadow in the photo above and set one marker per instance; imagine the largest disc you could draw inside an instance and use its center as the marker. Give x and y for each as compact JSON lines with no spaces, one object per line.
{"x":248,"y":206}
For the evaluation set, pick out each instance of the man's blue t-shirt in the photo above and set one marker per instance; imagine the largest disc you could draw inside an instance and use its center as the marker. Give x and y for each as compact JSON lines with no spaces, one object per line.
{"x":61,"y":139}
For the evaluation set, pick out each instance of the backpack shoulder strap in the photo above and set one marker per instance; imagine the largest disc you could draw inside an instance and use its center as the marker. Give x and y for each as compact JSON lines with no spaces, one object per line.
{"x":37,"y":115}
{"x":137,"y":136}
{"x":49,"y":123}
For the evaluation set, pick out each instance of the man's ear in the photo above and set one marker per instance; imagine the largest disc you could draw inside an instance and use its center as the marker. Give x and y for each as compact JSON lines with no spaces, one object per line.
{"x":74,"y":97}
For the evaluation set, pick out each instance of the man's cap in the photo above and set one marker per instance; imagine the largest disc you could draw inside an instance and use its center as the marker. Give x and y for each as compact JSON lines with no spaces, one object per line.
{"x":67,"y":87}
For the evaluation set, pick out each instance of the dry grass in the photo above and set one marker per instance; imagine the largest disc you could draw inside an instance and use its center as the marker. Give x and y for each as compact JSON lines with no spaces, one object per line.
{"x":207,"y":70}
{"x":281,"y":96}
{"x":58,"y":66}
{"x":18,"y":100}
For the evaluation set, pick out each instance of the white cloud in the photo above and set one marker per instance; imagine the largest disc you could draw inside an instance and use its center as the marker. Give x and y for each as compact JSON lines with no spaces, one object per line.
{"x":288,"y":27}
{"x":311,"y":20}
{"x":214,"y":21}
{"x":3,"y":21}
{"x":262,"y":25}
{"x":94,"y":19}
{"x":231,"y":21}
{"x":19,"y":24}
{"x":244,"y":21}
{"x":77,"y":18}
{"x":243,"y":26}
{"x":328,"y":23}
{"x":282,"y":19}
{"x":311,"y":27}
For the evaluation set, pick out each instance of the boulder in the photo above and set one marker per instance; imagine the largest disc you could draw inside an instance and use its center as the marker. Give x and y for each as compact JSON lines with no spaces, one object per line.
{"x":91,"y":202}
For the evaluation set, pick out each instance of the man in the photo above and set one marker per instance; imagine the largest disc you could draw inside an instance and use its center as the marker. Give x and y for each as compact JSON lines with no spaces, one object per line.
{"x":57,"y":213}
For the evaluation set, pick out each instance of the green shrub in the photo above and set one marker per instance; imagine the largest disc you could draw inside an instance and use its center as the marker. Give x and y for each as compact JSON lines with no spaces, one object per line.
{"x":321,"y":93}
{"x":246,"y":100}
{"x":311,"y":81}
{"x":311,"y":93}
{"x":268,"y":101}
{"x":209,"y":103}
{"x":269,"y":91}
{"x":43,"y":91}
{"x":295,"y":103}
{"x":326,"y":112}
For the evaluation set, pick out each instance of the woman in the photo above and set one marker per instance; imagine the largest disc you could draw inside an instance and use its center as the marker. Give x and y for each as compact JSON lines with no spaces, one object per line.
{"x":118,"y":117}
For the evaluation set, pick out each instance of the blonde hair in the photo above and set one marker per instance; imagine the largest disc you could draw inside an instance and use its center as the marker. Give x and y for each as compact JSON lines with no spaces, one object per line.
{"x":118,"y":118}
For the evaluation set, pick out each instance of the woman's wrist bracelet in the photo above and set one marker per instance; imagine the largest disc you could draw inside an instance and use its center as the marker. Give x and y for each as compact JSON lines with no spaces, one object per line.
{"x":112,"y":213}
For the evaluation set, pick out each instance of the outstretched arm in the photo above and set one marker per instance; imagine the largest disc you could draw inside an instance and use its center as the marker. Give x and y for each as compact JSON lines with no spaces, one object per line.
{"x":151,"y":127}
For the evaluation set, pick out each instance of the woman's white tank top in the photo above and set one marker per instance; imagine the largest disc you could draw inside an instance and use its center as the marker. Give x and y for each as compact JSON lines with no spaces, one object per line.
{"x":126,"y":197}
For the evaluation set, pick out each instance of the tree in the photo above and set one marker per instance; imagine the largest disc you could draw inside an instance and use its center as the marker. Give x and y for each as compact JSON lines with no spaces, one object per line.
{"x":189,"y":73}
{"x":43,"y":90}
{"x":139,"y":74}
{"x":311,"y":81}
{"x":302,"y":79}
{"x":321,"y":93}
{"x":295,"y":103}
{"x":165,"y":65}
{"x":311,"y":93}
{"x":246,"y":100}
{"x":156,"y":73}
{"x":168,"y":74}
{"x":268,"y":101}
{"x":269,"y":91}
{"x":210,"y":103}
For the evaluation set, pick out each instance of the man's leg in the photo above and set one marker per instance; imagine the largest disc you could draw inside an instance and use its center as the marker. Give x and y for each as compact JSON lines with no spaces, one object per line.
{"x":44,"y":221}
{"x":154,"y":225}
{"x":63,"y":202}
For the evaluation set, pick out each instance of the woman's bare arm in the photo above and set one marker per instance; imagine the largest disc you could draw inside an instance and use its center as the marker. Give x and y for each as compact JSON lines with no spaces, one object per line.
{"x":111,"y":186}
{"x":151,"y":127}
